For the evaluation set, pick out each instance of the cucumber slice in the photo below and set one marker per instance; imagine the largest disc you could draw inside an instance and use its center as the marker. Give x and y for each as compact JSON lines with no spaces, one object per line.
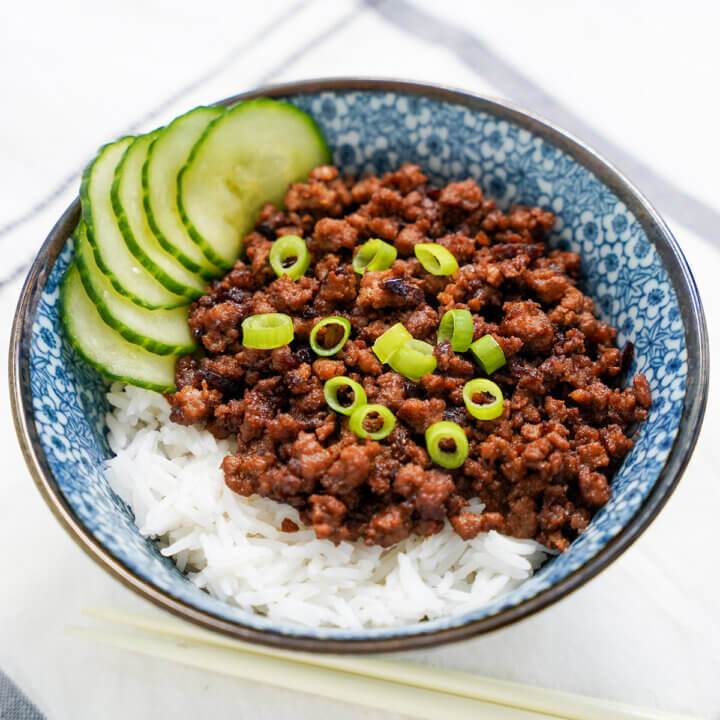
{"x":164,"y":332}
{"x":107,"y":351}
{"x":246,"y":157}
{"x":126,"y":197}
{"x":125,"y":273}
{"x":166,"y":156}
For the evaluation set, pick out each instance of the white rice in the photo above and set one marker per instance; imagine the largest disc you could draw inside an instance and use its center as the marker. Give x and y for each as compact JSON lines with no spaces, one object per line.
{"x":233,"y":547}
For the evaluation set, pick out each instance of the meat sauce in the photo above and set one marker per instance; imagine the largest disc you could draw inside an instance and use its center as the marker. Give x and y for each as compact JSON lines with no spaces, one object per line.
{"x":542,"y":469}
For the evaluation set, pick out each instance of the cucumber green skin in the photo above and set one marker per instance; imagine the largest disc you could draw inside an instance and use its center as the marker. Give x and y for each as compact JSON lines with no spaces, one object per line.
{"x":155,"y":346}
{"x":67,"y":330}
{"x":204,"y":245}
{"x":135,"y":248}
{"x":87,"y":218}
{"x":205,"y":272}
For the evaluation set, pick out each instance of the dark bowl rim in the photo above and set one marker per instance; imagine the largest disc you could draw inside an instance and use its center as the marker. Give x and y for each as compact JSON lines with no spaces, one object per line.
{"x":695,"y":399}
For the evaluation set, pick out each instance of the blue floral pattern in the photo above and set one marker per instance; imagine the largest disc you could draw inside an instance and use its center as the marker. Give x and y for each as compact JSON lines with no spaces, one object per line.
{"x":374,"y":131}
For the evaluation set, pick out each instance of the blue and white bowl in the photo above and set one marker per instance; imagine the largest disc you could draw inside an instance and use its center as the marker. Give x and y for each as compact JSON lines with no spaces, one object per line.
{"x":633,"y":267}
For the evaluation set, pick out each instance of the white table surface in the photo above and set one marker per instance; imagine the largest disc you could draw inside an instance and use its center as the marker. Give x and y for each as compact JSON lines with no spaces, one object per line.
{"x":637,"y":80}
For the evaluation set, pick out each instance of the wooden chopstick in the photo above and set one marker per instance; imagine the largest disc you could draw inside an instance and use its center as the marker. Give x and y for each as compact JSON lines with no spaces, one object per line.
{"x":486,"y":694}
{"x":333,"y":684}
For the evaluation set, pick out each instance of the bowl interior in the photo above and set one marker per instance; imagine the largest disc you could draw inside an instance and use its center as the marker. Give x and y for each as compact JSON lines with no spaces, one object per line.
{"x":376,"y":130}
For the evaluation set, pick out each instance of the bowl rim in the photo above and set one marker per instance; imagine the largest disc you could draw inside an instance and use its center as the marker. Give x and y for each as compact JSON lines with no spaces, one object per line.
{"x":694,"y":402}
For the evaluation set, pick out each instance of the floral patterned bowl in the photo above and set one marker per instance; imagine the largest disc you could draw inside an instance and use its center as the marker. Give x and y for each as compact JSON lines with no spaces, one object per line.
{"x":634,"y":269}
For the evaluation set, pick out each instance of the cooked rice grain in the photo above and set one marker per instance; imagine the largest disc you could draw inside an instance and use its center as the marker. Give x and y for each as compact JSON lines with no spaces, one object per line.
{"x":233,"y":547}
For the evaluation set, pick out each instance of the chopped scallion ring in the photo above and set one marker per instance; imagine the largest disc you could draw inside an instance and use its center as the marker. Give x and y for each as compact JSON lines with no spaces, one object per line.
{"x":440,"y":437}
{"x":359,"y":418}
{"x":483,"y":410}
{"x":267,"y":331}
{"x":390,"y":341}
{"x":289,"y":256}
{"x":413,"y":359}
{"x":333,"y":386}
{"x":488,"y":353}
{"x":436,"y":259}
{"x":334,"y":321}
{"x":456,"y":327}
{"x":375,"y":254}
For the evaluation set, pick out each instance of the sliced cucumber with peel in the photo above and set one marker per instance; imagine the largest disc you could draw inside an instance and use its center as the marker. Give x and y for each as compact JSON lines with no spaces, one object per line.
{"x":165,"y":158}
{"x":165,"y":332}
{"x":127,"y":202}
{"x":162,"y":214}
{"x":112,"y":255}
{"x":246,"y":157}
{"x":103,"y":348}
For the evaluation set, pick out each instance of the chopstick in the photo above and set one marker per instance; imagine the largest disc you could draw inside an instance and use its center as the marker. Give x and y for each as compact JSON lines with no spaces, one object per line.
{"x":399,"y":686}
{"x":332,"y":684}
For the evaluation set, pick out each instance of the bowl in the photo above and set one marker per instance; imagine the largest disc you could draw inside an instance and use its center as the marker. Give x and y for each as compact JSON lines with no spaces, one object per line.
{"x":633,"y":269}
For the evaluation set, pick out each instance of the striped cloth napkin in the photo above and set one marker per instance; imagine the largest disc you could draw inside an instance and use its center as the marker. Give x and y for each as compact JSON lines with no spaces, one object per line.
{"x":80,"y":73}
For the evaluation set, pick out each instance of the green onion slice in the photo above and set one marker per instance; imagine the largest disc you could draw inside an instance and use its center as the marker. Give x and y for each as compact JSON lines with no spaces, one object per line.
{"x":436,"y":259}
{"x":488,"y":353}
{"x":486,"y":410}
{"x":390,"y":341}
{"x":440,"y":434}
{"x":331,"y":323}
{"x":267,"y":331}
{"x":331,"y":388}
{"x":375,"y":254}
{"x":289,"y":256}
{"x":360,"y":416}
{"x":457,"y":327}
{"x":413,"y":359}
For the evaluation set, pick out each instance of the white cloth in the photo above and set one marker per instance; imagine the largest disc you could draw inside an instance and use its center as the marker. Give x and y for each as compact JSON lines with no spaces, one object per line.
{"x":642,"y":76}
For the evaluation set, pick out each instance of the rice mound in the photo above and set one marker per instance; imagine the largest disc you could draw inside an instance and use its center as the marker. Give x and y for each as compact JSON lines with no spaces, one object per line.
{"x":233,"y":548}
